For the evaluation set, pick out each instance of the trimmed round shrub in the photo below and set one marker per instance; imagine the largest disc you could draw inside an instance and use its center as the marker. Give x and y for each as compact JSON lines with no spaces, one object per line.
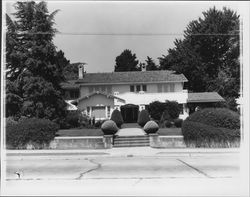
{"x":39,"y":131}
{"x":217,"y":117}
{"x":168,"y":123}
{"x":178,"y":122}
{"x":151,"y":127}
{"x":116,"y":116}
{"x":143,"y":117}
{"x":109,"y":127}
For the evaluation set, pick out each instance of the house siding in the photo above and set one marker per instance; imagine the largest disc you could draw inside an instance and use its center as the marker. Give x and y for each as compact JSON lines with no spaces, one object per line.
{"x":96,"y":101}
{"x":123,"y":88}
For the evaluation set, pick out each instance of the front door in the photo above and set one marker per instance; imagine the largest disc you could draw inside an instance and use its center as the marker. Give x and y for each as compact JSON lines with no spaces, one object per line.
{"x":130,"y":113}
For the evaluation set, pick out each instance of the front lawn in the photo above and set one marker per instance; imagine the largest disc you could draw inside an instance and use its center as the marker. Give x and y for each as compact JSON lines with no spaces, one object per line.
{"x":169,"y":131}
{"x":80,"y":132}
{"x":98,"y":132}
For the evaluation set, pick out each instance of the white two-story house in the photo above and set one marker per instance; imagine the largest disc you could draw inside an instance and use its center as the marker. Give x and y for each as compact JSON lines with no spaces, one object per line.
{"x":98,"y":94}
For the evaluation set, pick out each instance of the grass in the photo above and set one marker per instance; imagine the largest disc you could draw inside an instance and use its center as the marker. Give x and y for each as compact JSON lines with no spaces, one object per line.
{"x":80,"y":132}
{"x":98,"y":132}
{"x":169,"y":131}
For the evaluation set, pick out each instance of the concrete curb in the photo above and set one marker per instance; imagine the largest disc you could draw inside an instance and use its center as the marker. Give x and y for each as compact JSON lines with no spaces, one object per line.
{"x":127,"y":152}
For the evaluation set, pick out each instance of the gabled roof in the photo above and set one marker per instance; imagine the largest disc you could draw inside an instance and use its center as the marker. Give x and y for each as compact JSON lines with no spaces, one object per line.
{"x":99,"y":93}
{"x":203,"y":97}
{"x":132,"y":77}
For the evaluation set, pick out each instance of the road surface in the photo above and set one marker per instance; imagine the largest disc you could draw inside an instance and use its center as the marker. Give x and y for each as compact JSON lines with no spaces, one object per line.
{"x":162,"y":174}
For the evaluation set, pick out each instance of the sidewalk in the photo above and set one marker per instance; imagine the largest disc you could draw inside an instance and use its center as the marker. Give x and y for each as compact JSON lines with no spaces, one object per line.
{"x":127,"y":152}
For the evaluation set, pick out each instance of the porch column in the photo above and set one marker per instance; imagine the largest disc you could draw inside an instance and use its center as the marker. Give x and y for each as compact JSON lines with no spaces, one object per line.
{"x":90,"y":111}
{"x":106,"y":111}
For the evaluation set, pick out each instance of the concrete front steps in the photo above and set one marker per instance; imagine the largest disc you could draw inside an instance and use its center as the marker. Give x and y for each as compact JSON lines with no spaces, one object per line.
{"x":131,"y":141}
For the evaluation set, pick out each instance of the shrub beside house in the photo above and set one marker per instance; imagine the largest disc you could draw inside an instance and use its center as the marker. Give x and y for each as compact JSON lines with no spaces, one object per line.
{"x":143,"y":118}
{"x":212,"y":127}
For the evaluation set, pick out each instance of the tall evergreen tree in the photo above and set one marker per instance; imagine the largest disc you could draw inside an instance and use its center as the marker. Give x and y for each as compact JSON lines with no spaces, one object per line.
{"x":126,"y":61}
{"x":150,"y":64}
{"x":33,"y":63}
{"x":208,"y":54}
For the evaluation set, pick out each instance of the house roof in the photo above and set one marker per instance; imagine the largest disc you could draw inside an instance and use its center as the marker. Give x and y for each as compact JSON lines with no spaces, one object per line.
{"x":71,"y":84}
{"x":132,"y":77}
{"x":100,"y":93}
{"x":203,"y":97}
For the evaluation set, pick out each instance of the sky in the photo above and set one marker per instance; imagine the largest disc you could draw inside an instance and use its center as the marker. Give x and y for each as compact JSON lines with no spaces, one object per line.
{"x":96,"y":32}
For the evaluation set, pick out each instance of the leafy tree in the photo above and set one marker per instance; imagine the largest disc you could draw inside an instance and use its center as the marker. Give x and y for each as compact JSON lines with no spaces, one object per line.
{"x":71,"y":71}
{"x":173,"y":109}
{"x":126,"y":61}
{"x":13,"y":100}
{"x":150,"y":64}
{"x":208,"y":54}
{"x":156,"y":109}
{"x":34,"y":65}
{"x":168,"y":110}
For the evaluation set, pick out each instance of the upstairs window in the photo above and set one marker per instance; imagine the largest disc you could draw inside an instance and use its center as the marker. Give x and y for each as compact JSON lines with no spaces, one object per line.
{"x":166,"y":87}
{"x":138,"y":88}
{"x":132,"y":88}
{"x":159,"y":87}
{"x":172,"y":87}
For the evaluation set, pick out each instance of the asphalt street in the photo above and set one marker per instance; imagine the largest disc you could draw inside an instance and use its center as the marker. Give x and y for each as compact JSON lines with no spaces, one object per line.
{"x":99,"y":174}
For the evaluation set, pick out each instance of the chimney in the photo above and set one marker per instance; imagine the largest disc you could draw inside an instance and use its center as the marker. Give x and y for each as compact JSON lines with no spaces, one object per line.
{"x":80,"y":71}
{"x":143,"y":67}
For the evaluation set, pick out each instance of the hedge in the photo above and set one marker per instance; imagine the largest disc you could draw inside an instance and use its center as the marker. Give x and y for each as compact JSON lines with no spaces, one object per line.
{"x":143,"y":117}
{"x":217,"y":117}
{"x":73,"y":119}
{"x":39,"y":131}
{"x":199,"y":132}
{"x":157,"y":108}
{"x":178,"y":122}
{"x":116,"y":116}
